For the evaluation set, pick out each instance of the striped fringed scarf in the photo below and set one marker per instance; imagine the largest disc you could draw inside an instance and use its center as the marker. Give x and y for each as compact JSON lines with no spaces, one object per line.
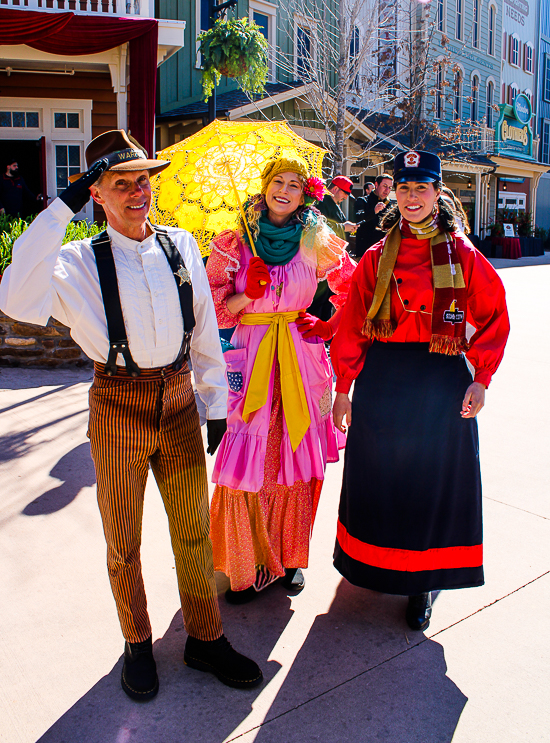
{"x":449,"y":303}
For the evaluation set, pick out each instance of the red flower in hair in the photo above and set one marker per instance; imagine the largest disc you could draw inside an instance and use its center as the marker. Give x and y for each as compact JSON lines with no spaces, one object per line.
{"x":314,"y":189}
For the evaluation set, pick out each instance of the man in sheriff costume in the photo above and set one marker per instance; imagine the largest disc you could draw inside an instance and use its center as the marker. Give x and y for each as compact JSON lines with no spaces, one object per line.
{"x":137,"y":301}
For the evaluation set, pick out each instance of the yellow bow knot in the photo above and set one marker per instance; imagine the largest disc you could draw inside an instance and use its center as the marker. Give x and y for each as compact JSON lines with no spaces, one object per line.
{"x":278,"y":336}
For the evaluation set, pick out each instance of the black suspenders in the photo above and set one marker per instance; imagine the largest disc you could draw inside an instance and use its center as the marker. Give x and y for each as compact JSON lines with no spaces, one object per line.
{"x":118,"y":340}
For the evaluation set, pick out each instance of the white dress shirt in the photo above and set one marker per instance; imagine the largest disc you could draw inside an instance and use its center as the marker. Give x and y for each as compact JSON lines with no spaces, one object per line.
{"x":45,"y":279}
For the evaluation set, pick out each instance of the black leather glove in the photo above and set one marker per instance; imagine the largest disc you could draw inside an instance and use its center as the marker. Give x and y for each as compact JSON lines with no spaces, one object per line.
{"x":214,"y":433}
{"x":77,"y":194}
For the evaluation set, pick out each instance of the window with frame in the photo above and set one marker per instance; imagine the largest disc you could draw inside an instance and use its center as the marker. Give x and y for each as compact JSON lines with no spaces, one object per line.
{"x":513,"y":91}
{"x":387,"y":47}
{"x":490,"y":99}
{"x":475,"y":99}
{"x":475,"y":25}
{"x":528,"y":58}
{"x":459,"y":19}
{"x":440,"y":15}
{"x":66,"y":120}
{"x":439,"y":96}
{"x":19,"y":119}
{"x":491,"y":30}
{"x":546,"y":83}
{"x":545,"y":141}
{"x":67,"y":162}
{"x":353,"y":59}
{"x":514,"y":51}
{"x":304,"y":52}
{"x":457,"y":96}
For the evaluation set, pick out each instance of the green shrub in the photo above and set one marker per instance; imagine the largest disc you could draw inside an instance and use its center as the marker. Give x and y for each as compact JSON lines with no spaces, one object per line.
{"x":12,"y":227}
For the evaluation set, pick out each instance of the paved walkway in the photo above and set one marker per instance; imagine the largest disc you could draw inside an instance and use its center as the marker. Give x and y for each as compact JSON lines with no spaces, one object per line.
{"x":340,"y":664}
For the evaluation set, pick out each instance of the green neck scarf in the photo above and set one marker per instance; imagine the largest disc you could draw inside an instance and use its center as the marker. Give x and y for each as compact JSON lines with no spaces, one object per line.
{"x":277,"y":246}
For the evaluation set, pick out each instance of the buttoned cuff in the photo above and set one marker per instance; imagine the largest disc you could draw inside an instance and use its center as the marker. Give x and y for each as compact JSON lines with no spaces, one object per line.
{"x":343,"y":385}
{"x":483,"y":376}
{"x":216,"y":412}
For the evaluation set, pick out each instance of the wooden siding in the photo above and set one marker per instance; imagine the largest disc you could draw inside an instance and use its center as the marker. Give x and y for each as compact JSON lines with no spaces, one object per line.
{"x":91,"y":86}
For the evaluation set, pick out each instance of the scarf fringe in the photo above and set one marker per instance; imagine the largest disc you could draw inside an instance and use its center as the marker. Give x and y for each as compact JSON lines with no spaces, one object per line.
{"x":448,"y":346}
{"x":378,"y":329}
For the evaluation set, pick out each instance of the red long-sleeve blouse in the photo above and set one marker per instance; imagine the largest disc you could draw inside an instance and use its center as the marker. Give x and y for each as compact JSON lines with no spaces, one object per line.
{"x":411,"y":305}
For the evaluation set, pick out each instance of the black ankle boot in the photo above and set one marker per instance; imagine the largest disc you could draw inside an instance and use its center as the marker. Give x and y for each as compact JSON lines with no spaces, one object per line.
{"x":241,"y":597}
{"x":219,"y":658}
{"x":419,"y":611}
{"x":139,"y":672}
{"x":293,"y":580}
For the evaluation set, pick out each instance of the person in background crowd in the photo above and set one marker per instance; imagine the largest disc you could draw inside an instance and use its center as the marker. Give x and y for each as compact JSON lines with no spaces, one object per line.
{"x":410,"y":519}
{"x":339,"y":190}
{"x":377,"y":204}
{"x":456,"y":207}
{"x":119,"y":294}
{"x":14,"y":192}
{"x":368,"y":188}
{"x":361,"y":203}
{"x":280,"y":435}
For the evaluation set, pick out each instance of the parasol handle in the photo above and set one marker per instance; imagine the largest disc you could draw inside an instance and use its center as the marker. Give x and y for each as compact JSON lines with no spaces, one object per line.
{"x":241,"y":210}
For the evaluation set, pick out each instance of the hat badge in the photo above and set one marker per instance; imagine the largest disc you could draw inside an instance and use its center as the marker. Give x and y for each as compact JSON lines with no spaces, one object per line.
{"x":412,"y":160}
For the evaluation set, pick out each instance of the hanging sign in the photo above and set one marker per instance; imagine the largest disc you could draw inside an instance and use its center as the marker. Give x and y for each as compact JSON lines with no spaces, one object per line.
{"x":513,"y":133}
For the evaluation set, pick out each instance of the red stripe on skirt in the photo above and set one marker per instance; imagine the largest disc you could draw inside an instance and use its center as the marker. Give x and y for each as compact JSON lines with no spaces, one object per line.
{"x":409,"y":561}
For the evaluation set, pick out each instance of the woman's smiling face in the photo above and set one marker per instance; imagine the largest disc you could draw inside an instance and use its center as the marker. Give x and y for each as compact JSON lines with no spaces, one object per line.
{"x":416,"y":200}
{"x":284,"y":195}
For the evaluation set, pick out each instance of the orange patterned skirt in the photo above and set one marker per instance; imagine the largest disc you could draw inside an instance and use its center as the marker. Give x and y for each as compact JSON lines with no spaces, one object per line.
{"x":268,"y":529}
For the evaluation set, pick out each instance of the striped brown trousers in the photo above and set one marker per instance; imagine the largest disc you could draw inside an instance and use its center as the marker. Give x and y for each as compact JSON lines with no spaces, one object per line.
{"x":153,"y":420}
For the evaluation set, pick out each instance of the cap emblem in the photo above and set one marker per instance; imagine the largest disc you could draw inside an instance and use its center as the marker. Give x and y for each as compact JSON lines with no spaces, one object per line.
{"x":412,"y":160}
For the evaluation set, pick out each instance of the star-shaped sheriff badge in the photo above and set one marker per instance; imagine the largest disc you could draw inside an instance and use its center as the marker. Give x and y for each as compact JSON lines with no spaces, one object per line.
{"x":183,"y":275}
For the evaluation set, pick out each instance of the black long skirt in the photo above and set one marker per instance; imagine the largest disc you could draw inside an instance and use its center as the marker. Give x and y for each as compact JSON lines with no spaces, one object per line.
{"x":410,"y":508}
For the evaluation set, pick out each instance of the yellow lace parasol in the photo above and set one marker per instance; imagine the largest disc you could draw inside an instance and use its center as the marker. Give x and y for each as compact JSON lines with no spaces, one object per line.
{"x":212,"y":173}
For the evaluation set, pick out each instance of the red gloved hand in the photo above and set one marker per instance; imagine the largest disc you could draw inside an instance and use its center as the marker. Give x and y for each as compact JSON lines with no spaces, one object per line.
{"x":309,"y":326}
{"x":257,"y":272}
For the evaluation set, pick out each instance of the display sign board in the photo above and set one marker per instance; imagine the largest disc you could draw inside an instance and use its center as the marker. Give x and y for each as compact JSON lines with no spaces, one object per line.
{"x":509,"y":230}
{"x":513,"y":133}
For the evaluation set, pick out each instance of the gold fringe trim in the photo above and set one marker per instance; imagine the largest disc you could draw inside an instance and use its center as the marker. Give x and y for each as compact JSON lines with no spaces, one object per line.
{"x":378,"y":329}
{"x":448,"y":346}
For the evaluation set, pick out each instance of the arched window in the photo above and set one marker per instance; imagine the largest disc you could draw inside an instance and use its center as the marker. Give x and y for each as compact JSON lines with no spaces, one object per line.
{"x":528,"y":58}
{"x":457,"y":96}
{"x":514,"y":50}
{"x":490,"y":101}
{"x":492,"y":29}
{"x":475,"y":25}
{"x":513,"y":90}
{"x":475,"y":99}
{"x":529,"y":95}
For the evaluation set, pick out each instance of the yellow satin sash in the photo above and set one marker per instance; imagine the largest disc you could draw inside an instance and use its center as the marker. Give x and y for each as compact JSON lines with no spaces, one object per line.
{"x":295,"y":406}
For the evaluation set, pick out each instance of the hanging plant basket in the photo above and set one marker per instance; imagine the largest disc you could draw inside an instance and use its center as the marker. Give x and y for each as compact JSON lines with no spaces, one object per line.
{"x":235,"y":48}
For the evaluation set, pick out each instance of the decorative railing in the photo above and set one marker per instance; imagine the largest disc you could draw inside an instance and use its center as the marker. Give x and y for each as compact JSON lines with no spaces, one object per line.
{"x":143,"y":8}
{"x":479,"y":139}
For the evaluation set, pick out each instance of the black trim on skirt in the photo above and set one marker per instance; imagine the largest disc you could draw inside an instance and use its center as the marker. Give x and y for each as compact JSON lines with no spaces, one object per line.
{"x":411,"y":472}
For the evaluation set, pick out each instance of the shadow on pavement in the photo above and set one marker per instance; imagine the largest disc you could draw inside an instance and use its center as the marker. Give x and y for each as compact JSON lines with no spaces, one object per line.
{"x":356,"y":680}
{"x":76,"y":469}
{"x":191,"y":707}
{"x":18,"y":445}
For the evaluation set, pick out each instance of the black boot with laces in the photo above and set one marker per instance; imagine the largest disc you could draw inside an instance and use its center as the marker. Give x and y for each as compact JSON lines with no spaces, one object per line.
{"x":139,"y":672}
{"x":219,"y":658}
{"x":419,"y":611}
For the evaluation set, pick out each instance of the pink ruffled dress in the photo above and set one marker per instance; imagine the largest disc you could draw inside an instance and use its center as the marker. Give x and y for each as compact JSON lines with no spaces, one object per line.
{"x":266,"y":495}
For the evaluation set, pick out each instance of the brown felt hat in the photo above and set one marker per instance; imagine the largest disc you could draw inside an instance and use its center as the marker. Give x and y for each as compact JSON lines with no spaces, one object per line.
{"x":123,"y":153}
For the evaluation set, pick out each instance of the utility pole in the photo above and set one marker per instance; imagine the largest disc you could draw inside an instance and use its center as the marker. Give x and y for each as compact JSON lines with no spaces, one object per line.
{"x":213,"y":11}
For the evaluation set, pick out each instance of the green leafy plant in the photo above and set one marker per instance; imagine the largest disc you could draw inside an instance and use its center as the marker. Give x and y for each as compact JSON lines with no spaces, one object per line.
{"x":12,"y":227}
{"x":234,"y":48}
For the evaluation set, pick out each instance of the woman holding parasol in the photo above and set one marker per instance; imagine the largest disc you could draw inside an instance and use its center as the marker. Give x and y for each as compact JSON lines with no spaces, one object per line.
{"x":270,"y":466}
{"x":410,"y":507}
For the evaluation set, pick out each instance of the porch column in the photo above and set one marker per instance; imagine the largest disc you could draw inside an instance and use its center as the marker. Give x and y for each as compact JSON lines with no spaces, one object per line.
{"x":479,"y":197}
{"x":119,"y":80}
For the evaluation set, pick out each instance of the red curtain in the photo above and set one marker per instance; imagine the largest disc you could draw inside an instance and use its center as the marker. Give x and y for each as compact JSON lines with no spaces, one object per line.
{"x":67,"y":33}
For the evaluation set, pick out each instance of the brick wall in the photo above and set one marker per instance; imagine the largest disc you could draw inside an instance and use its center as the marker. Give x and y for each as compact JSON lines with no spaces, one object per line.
{"x":23,"y":344}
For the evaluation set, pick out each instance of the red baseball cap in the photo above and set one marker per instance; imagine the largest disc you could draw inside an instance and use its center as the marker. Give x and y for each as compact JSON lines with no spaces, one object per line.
{"x":344,"y":183}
